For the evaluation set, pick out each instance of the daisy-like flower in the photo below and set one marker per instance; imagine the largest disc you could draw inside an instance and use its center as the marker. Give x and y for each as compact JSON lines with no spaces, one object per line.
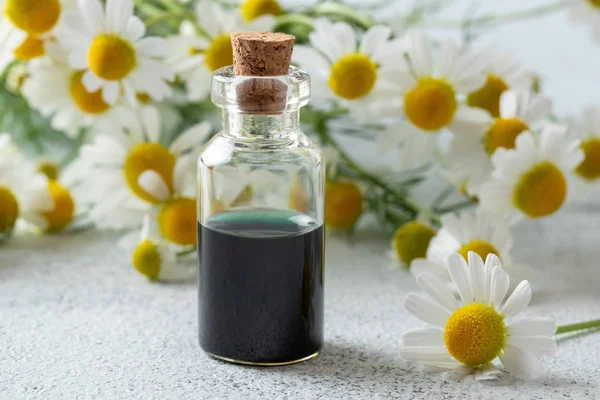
{"x":108,"y":45}
{"x":153,"y":256}
{"x":411,"y":241}
{"x":431,"y":90}
{"x":55,"y":89}
{"x":23,"y":191}
{"x":503,"y":74}
{"x":468,"y":232}
{"x":532,"y":179}
{"x":253,"y":9}
{"x":358,"y":74}
{"x":27,"y":26}
{"x":414,"y":148}
{"x":195,"y":56}
{"x":130,"y":171}
{"x":472,"y":332}
{"x":587,"y":129}
{"x":344,"y":204}
{"x":472,"y":148}
{"x":586,"y":11}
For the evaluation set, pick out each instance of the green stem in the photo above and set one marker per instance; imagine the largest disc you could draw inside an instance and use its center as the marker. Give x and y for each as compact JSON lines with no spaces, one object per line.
{"x":346,"y":13}
{"x":498,"y":19}
{"x":406,"y":202}
{"x":301,"y":19}
{"x":186,"y":252}
{"x":577,"y":327}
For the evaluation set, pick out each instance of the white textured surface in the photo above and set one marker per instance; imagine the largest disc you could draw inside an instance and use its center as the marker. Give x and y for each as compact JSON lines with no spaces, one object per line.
{"x":76,"y":323}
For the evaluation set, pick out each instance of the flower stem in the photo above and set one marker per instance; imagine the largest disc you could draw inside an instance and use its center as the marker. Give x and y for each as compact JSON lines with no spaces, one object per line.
{"x":498,"y":19}
{"x":578,"y":327}
{"x":343,"y":12}
{"x":406,"y":202}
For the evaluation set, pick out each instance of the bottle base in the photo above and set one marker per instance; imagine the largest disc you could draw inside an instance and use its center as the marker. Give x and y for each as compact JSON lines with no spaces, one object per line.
{"x":263,"y":364}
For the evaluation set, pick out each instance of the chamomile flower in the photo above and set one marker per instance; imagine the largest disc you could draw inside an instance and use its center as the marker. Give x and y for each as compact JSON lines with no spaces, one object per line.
{"x":586,"y":11}
{"x":344,"y":204}
{"x":253,"y":9}
{"x":23,"y":191}
{"x":411,"y":241}
{"x":471,"y":333}
{"x":196,"y":56}
{"x":503,"y":74}
{"x":27,"y":26}
{"x":471,"y":149}
{"x":108,"y":45}
{"x":430,"y":91}
{"x":587,"y":129}
{"x":154,"y":257}
{"x":356,"y":73}
{"x":468,"y":232}
{"x":532,"y":179}
{"x":131,"y":170}
{"x":57,"y":90}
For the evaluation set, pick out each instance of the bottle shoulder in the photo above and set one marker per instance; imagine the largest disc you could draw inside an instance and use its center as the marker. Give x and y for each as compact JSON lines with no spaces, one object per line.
{"x":225,"y":148}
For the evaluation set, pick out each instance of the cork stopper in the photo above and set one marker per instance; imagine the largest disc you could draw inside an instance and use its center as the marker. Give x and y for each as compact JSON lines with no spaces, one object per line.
{"x":262,"y":54}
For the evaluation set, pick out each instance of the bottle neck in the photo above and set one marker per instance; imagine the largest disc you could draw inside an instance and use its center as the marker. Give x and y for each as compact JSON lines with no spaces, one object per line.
{"x":261,"y":126}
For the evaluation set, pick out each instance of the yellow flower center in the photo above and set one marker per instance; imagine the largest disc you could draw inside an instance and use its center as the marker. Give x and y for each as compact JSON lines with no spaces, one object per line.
{"x":9,"y":210}
{"x":411,"y":241}
{"x":353,"y":76}
{"x":29,"y":49}
{"x":595,"y":3}
{"x":488,"y":97}
{"x":143,"y":98}
{"x":64,"y":208}
{"x":49,"y":169}
{"x":35,"y":17}
{"x":149,"y":156}
{"x":220,"y":53}
{"x":252,"y":9}
{"x":89,"y":103}
{"x":177,"y":221}
{"x":111,"y":57}
{"x":590,"y":167}
{"x":475,"y":334}
{"x":431,"y":105}
{"x":298,"y":197}
{"x":146,"y":259}
{"x":503,"y":133}
{"x":481,"y":247}
{"x":541,"y":191}
{"x":344,"y":204}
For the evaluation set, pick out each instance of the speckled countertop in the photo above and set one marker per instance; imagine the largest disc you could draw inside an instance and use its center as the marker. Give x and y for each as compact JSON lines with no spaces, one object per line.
{"x":77,"y":323}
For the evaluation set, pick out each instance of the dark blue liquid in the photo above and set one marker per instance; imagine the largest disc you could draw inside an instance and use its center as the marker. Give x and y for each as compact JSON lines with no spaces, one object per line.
{"x":261,"y":286}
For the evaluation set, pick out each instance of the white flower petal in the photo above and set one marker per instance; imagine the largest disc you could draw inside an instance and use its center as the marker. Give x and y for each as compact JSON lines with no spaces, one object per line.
{"x":93,"y":13}
{"x":538,"y":345}
{"x":499,"y":286}
{"x":426,"y":310}
{"x":373,"y":39}
{"x":110,"y":92}
{"x":151,"y":122}
{"x":135,"y":29}
{"x":520,"y":363}
{"x":509,"y":104}
{"x":91,"y":82}
{"x":532,"y":326}
{"x":423,"y":337}
{"x":190,"y":138}
{"x":518,"y":300}
{"x":478,"y":283}
{"x":459,"y":272}
{"x":118,"y":13}
{"x":438,"y":290}
{"x":153,"y":47}
{"x":153,"y":184}
{"x":426,"y":354}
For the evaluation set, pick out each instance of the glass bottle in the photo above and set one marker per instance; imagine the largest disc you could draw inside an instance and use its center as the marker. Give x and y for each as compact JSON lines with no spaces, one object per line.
{"x":261,"y":212}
